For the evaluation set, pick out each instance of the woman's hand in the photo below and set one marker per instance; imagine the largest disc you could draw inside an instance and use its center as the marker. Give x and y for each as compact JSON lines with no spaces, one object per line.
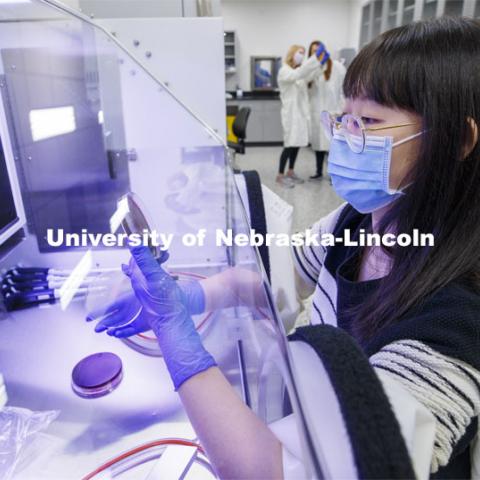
{"x":322,"y":54}
{"x":126,"y":317}
{"x":168,"y":316}
{"x":123,"y":318}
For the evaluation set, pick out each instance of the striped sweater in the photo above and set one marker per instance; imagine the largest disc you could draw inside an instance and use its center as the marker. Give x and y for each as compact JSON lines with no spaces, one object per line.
{"x":434,"y":353}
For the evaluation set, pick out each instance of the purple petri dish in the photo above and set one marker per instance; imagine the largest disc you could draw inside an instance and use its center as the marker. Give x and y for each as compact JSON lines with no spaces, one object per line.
{"x":97,"y":375}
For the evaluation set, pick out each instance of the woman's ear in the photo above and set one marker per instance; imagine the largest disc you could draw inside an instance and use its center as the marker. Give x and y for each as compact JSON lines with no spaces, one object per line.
{"x":472,"y":138}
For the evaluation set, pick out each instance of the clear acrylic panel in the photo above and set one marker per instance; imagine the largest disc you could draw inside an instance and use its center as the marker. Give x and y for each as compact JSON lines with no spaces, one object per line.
{"x":88,"y":124}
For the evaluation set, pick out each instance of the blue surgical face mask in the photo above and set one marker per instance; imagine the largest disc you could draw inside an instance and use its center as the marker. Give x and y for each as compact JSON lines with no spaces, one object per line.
{"x":362,"y":179}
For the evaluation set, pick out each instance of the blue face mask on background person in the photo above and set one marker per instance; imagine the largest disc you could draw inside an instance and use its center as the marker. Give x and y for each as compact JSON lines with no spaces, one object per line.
{"x":362,"y":179}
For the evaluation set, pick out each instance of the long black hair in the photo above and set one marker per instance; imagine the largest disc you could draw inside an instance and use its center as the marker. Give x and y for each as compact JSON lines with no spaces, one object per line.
{"x":431,"y":68}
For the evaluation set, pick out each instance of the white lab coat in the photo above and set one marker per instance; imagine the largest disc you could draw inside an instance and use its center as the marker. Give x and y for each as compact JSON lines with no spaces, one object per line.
{"x":292,"y":83}
{"x":325,"y":95}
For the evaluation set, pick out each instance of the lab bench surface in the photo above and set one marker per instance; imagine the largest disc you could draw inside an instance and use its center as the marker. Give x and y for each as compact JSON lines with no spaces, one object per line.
{"x":44,"y":344}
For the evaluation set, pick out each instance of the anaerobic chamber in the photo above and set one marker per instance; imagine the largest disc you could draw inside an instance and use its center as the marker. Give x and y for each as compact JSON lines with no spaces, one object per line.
{"x":82,"y":124}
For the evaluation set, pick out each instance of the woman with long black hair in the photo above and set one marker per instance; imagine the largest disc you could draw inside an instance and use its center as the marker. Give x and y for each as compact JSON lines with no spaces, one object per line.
{"x":405,"y":156}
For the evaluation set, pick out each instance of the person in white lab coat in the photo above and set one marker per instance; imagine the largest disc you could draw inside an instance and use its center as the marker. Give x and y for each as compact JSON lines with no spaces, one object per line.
{"x":293,"y":78}
{"x":325,"y":93}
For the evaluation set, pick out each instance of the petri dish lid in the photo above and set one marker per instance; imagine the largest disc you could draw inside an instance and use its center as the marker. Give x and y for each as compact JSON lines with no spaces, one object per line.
{"x":136,"y":218}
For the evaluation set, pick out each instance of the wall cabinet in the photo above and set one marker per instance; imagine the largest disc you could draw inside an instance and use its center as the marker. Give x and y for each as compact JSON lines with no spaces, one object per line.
{"x":381,"y":15}
{"x":230,"y":52}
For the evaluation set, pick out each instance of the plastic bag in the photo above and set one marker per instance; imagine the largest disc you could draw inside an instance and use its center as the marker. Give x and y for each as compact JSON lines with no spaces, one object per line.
{"x":17,"y":427}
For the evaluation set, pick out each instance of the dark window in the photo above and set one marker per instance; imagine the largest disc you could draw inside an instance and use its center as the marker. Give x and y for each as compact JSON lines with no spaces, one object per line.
{"x":377,"y":17}
{"x":429,"y":9}
{"x":453,"y":7}
{"x":408,"y":11}
{"x":364,"y":33}
{"x":392,"y":13}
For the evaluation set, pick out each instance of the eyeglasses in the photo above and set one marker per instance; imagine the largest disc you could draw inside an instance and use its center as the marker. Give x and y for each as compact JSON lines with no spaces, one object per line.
{"x":352,"y":128}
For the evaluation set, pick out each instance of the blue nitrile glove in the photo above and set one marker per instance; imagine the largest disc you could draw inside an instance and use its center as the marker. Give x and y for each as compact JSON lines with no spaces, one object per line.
{"x":123,"y":318}
{"x":325,"y":58}
{"x":321,"y":49}
{"x":166,"y":304}
{"x":126,"y":317}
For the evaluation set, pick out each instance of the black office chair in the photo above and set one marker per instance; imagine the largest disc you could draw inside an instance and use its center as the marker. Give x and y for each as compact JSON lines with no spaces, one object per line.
{"x":239,"y":128}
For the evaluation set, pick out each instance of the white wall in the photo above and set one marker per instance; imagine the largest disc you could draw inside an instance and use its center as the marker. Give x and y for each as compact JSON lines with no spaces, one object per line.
{"x":269,"y":27}
{"x":144,"y":8}
{"x":72,"y":3}
{"x":355,"y":21}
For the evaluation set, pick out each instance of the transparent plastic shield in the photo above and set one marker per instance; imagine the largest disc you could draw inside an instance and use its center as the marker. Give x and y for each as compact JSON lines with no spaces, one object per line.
{"x":88,"y":125}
